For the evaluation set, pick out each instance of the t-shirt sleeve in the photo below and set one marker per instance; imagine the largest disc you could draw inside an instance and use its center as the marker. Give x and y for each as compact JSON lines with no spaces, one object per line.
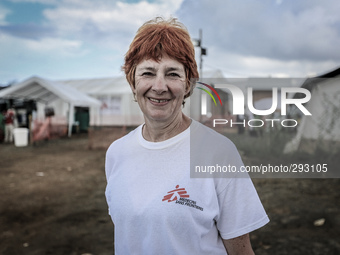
{"x":241,"y":210}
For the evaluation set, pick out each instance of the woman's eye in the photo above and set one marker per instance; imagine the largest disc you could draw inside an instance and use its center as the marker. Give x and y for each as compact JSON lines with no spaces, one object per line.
{"x":174,"y":74}
{"x":147,"y":74}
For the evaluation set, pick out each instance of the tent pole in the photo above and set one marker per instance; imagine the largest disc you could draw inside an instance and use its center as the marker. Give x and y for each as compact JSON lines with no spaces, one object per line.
{"x":70,"y":118}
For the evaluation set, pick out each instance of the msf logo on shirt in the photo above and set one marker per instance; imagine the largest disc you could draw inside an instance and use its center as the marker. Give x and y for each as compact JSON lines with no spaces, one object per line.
{"x":175,"y":194}
{"x":181,"y":197}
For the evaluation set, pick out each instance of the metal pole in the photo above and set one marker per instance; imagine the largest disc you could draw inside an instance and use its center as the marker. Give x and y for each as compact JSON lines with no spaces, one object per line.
{"x":201,"y":59}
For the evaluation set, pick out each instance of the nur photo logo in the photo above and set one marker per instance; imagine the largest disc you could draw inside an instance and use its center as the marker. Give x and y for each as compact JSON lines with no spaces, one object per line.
{"x":242,"y":100}
{"x":204,"y":97}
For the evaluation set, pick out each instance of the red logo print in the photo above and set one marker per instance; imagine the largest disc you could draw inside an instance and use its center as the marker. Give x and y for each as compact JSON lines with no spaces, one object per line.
{"x":175,"y":194}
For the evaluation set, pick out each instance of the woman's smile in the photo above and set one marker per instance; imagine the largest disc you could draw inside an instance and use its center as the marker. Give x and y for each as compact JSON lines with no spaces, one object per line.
{"x":158,"y":102}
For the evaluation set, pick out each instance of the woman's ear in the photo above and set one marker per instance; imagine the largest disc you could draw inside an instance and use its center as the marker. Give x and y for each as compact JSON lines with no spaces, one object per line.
{"x":133,"y":89}
{"x":187,"y":89}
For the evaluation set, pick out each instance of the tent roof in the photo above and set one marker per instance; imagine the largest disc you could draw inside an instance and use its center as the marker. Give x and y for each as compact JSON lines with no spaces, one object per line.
{"x":36,"y":88}
{"x":102,"y":86}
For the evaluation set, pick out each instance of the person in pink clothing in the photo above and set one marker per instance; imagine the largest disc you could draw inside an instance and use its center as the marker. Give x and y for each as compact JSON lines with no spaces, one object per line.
{"x":9,"y":125}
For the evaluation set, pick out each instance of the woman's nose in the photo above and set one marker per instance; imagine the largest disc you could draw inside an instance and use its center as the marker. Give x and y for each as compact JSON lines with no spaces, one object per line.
{"x":160,"y":85}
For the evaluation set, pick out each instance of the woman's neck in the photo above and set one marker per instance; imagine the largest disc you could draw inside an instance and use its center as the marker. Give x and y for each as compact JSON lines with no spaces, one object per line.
{"x":156,"y":131}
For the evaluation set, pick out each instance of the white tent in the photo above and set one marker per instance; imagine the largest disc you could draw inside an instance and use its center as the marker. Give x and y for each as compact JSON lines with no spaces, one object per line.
{"x":117,"y":103}
{"x":50,"y":93}
{"x":323,"y":126}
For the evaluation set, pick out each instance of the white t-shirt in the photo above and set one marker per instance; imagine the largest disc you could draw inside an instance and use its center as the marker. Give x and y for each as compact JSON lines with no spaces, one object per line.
{"x":158,"y":209}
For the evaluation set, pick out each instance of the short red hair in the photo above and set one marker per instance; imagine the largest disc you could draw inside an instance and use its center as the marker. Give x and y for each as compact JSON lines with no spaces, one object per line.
{"x":157,"y":37}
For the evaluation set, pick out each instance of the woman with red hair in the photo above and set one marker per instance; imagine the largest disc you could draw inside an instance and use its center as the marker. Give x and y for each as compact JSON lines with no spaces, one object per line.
{"x":155,"y":206}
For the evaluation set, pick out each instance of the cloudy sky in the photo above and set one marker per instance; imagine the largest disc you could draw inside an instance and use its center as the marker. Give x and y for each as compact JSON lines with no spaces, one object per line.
{"x":70,"y":39}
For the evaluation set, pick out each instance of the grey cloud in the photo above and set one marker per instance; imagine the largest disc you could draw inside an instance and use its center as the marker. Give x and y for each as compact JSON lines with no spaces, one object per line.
{"x":29,"y":31}
{"x":292,"y":30}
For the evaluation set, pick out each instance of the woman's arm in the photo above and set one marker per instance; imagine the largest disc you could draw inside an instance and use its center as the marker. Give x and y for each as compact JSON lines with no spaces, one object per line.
{"x":239,"y":245}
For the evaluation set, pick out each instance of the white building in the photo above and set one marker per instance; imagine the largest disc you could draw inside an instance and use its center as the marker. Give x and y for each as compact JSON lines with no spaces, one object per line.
{"x":322,"y":128}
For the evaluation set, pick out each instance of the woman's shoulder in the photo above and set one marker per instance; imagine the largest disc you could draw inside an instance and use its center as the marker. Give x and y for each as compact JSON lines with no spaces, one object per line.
{"x":125,"y":140}
{"x":209,"y":136}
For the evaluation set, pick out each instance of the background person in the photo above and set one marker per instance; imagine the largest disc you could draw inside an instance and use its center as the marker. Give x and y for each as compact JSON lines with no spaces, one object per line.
{"x":9,"y":125}
{"x":2,"y":125}
{"x":155,"y":206}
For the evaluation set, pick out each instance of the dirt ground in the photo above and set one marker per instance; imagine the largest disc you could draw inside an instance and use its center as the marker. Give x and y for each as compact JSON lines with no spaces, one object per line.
{"x":52,"y":202}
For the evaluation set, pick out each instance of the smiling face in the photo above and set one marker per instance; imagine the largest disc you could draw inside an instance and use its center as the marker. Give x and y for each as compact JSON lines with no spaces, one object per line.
{"x":160,"y":88}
